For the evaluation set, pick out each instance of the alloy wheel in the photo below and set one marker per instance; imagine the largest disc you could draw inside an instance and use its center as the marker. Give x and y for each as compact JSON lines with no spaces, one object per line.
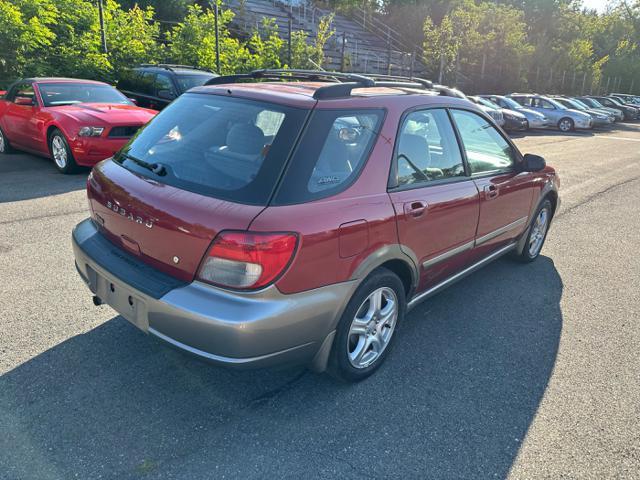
{"x":538,"y":232}
{"x":565,"y":125}
{"x":372,"y":327}
{"x":2,"y":143}
{"x":59,"y":151}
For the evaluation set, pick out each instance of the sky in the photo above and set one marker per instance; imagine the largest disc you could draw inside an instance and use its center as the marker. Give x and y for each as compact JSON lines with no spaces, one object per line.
{"x":599,"y":5}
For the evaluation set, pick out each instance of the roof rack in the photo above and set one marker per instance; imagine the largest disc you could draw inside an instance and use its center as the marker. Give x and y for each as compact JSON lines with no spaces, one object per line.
{"x":172,"y":66}
{"x":342,"y":83}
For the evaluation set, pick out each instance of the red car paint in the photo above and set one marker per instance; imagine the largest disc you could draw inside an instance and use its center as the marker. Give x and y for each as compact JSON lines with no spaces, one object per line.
{"x":27,"y":126}
{"x":338,"y":235}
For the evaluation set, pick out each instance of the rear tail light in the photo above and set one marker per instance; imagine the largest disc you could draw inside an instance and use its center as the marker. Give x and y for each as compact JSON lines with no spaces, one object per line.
{"x":247,"y":260}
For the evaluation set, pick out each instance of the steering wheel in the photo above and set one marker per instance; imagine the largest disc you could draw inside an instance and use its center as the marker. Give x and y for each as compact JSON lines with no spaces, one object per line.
{"x":420,"y":173}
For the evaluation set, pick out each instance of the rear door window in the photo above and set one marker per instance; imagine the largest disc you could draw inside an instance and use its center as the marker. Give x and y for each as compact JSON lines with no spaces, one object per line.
{"x":146,"y":83}
{"x":163,"y":82}
{"x":228,"y":148}
{"x":334,"y":149}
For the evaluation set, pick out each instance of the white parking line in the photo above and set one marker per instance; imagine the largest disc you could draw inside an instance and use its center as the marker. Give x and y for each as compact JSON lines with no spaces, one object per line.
{"x":619,"y":138}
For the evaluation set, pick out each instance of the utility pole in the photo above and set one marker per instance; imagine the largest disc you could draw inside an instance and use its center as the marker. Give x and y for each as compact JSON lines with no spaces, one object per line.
{"x":215,"y":14}
{"x":342,"y":53}
{"x":290,"y":28}
{"x":103,"y":36}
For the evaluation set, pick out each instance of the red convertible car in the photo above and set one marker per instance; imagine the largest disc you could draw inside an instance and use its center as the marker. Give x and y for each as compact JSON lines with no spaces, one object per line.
{"x":74,"y":122}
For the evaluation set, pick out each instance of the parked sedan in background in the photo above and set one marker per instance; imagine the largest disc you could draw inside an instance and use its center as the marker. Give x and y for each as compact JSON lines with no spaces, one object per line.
{"x":627,"y":103}
{"x":627,"y":99}
{"x":512,"y":120}
{"x":535,"y":119}
{"x":74,"y":122}
{"x":600,"y":118}
{"x":492,"y":111}
{"x":593,"y":103}
{"x":565,"y":119}
{"x":630,"y":113}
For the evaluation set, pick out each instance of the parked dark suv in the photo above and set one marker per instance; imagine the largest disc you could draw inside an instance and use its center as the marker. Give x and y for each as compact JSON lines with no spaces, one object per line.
{"x":155,"y":86}
{"x":297,"y":221}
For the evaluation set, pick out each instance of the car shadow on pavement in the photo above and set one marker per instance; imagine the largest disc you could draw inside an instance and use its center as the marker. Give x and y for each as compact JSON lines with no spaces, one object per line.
{"x":454,"y":400}
{"x":24,"y":176}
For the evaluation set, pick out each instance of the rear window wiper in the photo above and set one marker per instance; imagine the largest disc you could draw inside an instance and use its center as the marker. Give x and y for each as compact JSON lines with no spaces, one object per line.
{"x":156,"y":168}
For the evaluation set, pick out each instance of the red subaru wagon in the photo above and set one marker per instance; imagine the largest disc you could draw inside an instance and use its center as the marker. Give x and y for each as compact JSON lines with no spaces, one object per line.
{"x":296,"y":216}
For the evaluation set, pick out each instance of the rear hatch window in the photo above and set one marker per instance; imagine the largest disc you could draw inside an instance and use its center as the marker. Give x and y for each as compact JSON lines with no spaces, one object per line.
{"x":227,"y":148}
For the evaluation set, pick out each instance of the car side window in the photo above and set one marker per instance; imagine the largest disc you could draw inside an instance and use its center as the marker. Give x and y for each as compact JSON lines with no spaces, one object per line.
{"x":546,"y":104}
{"x":427,"y":149}
{"x":146,"y":83}
{"x":524,"y":101}
{"x":163,"y":82}
{"x":128,"y":79}
{"x":24,"y":90}
{"x":486,"y":150}
{"x":330,"y":155}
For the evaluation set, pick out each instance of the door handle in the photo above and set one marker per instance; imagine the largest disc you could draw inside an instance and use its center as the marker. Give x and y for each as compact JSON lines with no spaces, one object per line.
{"x":491,"y":191}
{"x":415,"y":209}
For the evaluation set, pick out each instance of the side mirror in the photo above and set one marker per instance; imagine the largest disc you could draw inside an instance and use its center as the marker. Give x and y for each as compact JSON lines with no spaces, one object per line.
{"x":133,"y":100}
{"x":26,"y":101}
{"x":533,"y":163}
{"x":166,"y":94}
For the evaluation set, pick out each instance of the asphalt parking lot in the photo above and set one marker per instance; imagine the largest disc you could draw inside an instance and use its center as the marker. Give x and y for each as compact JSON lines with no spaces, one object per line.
{"x":519,"y":371}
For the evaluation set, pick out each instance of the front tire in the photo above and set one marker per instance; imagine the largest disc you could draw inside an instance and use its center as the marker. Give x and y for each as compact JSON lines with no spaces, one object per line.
{"x":537,"y":233}
{"x":566,"y":125}
{"x":61,"y":153}
{"x":5,"y":146}
{"x":366,"y":330}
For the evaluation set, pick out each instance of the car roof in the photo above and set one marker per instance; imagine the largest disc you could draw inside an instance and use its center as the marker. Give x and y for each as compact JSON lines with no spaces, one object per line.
{"x":184,"y":70}
{"x":59,"y":80}
{"x":302,"y":94}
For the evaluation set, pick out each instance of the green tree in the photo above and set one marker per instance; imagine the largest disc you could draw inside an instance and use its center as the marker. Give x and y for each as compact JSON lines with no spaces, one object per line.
{"x":24,"y":32}
{"x":132,"y":36}
{"x":323,"y":33}
{"x":266,"y":46}
{"x":192,"y":42}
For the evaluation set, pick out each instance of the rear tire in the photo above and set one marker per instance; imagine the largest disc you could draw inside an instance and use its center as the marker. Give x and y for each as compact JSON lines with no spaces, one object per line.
{"x":5,"y":146}
{"x":366,"y":330}
{"x":61,"y":152}
{"x":537,"y":233}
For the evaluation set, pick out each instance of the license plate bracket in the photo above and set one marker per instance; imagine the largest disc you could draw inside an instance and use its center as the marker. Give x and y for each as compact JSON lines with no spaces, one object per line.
{"x":122,"y":299}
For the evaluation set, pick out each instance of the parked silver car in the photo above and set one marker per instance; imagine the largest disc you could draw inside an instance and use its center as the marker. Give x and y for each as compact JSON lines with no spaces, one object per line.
{"x":593,"y":103}
{"x":493,"y":111}
{"x":600,"y":118}
{"x":535,"y":119}
{"x":565,"y":119}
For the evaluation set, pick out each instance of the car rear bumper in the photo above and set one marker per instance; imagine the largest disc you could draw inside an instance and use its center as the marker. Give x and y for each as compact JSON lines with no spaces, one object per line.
{"x":253,"y":329}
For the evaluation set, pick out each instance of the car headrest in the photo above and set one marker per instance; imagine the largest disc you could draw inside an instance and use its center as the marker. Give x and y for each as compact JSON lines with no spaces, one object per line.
{"x":245,"y":138}
{"x":335,"y":155}
{"x":416,"y":148}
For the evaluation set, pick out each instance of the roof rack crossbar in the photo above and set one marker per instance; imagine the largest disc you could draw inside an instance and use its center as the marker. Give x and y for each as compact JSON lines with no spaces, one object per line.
{"x":170,"y":66}
{"x":342,"y":83}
